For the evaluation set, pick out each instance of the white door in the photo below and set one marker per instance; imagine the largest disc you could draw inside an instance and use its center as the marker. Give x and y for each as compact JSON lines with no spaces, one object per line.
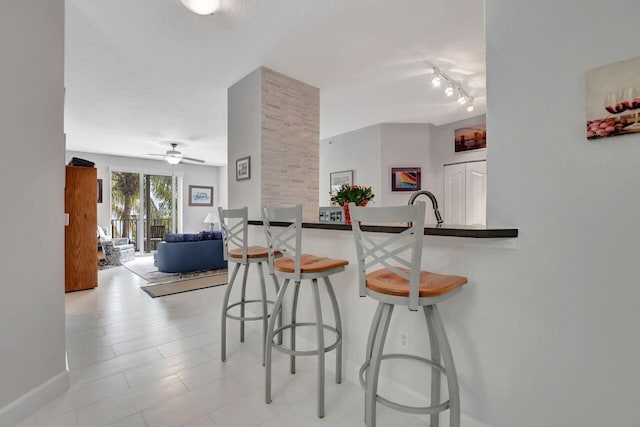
{"x":465,"y":193}
{"x":476,"y":200}
{"x":454,"y":194}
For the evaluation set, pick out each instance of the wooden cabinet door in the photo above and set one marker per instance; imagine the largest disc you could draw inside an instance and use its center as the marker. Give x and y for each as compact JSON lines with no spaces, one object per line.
{"x":80,"y":237}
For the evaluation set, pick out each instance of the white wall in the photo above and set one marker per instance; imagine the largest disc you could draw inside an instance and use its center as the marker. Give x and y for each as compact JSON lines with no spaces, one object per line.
{"x":359,"y":151}
{"x":192,"y":216}
{"x":244,"y":131}
{"x":403,"y":145}
{"x":32,"y":349}
{"x":560,"y":344}
{"x":441,"y":152}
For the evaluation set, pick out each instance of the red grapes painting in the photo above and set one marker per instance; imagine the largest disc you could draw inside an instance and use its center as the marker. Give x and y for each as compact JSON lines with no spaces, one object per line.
{"x":613,"y":99}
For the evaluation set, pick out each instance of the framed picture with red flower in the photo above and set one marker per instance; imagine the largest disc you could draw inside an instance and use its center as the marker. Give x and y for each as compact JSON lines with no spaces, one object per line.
{"x":406,"y":179}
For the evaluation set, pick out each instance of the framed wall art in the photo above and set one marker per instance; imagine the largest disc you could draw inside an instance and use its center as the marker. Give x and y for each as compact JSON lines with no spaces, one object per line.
{"x":470,"y":138}
{"x":406,"y":179}
{"x":200,"y":195}
{"x":100,"y":190}
{"x":243,"y":168}
{"x":338,"y":179}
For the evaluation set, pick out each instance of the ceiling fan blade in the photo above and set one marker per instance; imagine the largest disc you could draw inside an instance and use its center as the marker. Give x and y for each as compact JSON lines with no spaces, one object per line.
{"x":191,"y":159}
{"x":153,"y":154}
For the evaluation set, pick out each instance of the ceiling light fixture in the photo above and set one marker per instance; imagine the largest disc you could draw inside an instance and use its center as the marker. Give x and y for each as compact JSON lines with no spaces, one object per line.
{"x":436,"y":81}
{"x":202,"y":7}
{"x":470,"y":106}
{"x":449,"y":90}
{"x":452,"y":87}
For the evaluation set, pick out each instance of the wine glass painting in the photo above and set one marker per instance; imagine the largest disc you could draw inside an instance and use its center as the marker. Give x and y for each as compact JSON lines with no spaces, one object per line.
{"x":613,"y":99}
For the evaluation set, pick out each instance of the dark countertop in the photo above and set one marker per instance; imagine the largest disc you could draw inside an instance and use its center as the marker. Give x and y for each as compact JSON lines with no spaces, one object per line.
{"x":476,"y":231}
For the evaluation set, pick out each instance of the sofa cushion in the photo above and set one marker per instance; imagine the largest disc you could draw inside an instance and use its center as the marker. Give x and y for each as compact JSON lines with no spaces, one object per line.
{"x":192,"y":237}
{"x":174,"y":237}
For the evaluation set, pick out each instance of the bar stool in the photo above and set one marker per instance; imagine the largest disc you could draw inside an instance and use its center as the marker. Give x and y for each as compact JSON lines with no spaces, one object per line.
{"x":243,"y":255}
{"x":402,"y":283}
{"x":296,"y":266}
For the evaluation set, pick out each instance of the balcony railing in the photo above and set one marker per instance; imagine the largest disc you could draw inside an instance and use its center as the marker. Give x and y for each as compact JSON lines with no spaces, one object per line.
{"x":118,"y":229}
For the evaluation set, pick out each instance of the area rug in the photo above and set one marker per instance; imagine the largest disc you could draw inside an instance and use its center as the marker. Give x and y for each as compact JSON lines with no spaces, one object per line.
{"x":163,"y":284}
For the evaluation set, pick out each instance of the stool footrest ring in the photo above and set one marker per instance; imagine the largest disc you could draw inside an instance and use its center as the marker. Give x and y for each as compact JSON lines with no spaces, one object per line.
{"x":287,"y":350}
{"x":397,"y":406}
{"x":253,"y":301}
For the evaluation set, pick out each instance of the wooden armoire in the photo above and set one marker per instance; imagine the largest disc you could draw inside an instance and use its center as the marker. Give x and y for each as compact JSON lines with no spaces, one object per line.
{"x":80,"y":236}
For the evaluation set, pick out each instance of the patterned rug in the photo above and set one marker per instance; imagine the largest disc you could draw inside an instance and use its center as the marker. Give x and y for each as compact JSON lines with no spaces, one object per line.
{"x":162,"y":284}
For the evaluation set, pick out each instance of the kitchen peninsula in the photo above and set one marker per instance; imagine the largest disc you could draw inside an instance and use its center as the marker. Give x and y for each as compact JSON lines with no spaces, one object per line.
{"x":451,"y":230}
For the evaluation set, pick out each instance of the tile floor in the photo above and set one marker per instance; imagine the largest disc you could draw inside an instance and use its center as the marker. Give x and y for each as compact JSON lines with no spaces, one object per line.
{"x":137,"y":361}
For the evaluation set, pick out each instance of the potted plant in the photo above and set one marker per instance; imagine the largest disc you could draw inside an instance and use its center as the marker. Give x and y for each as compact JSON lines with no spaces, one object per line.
{"x":357,"y":194}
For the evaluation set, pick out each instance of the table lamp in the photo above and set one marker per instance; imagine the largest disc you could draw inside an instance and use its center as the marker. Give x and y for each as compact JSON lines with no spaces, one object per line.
{"x":211,"y":218}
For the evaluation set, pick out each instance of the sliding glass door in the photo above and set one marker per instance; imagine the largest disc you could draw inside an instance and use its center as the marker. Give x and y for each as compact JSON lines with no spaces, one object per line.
{"x":125,"y":205}
{"x":159,"y":209}
{"x":144,"y":208}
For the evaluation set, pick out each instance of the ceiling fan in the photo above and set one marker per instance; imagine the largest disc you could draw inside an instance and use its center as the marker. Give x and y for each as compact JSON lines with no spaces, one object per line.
{"x":174,"y":157}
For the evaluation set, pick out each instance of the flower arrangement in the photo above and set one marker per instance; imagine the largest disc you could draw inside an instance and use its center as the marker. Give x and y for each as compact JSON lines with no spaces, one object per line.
{"x":352,"y":193}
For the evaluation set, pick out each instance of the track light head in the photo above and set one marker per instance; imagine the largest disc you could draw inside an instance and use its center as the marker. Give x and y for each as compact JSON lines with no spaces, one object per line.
{"x":470,"y":106}
{"x":449,"y":90}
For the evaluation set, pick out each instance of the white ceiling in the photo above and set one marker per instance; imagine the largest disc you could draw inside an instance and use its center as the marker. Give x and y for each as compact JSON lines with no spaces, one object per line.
{"x":139,"y":73}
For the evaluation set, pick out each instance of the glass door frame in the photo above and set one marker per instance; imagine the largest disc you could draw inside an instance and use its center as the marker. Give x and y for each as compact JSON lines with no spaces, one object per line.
{"x":140,"y":221}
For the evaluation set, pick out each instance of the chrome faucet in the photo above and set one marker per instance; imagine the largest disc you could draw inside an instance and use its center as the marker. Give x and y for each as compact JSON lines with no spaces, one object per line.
{"x":434,"y":202}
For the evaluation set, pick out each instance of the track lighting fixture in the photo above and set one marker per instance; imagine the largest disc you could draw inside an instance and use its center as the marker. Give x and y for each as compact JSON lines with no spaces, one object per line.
{"x":470,"y":106}
{"x":452,"y":87}
{"x":449,"y":90}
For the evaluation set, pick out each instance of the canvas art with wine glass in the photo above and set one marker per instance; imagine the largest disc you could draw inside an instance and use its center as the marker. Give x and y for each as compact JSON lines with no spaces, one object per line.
{"x":613,"y":99}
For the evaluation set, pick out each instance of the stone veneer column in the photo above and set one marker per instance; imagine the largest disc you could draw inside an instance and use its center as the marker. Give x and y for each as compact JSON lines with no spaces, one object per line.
{"x":283,"y":144}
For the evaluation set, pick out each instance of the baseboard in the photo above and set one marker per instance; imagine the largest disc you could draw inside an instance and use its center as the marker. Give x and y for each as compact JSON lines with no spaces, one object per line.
{"x":27,"y":404}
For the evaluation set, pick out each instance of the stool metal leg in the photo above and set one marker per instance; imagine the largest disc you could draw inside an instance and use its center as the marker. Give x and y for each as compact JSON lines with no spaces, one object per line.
{"x":242,"y":298}
{"x":225,"y":304}
{"x":450,"y":369}
{"x":294,"y":311}
{"x":434,"y":419}
{"x":338,"y":319}
{"x":277,"y":288}
{"x":272,"y":323}
{"x":375,"y":323}
{"x":374,"y":367}
{"x":265,"y":312}
{"x":320,"y":338}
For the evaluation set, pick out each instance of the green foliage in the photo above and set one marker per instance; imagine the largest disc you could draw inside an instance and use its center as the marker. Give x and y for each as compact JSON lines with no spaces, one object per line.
{"x":352,"y":193}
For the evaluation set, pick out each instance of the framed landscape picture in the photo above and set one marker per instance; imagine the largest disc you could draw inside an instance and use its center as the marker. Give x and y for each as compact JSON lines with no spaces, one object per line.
{"x":200,"y":195}
{"x":243,"y":168}
{"x":470,"y":138}
{"x":338,"y":179}
{"x":406,"y":179}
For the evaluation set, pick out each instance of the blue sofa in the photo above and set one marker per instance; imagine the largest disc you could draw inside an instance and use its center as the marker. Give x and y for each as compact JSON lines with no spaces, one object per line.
{"x":185,"y":257}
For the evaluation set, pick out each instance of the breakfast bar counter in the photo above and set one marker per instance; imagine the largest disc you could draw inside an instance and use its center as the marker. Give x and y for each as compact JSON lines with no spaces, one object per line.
{"x":451,"y":230}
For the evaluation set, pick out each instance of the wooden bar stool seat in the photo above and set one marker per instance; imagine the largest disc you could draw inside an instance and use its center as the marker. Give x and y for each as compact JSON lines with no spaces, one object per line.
{"x":309,"y":264}
{"x":252,"y":252}
{"x":295,"y":266}
{"x":400,"y":281}
{"x":387,"y":282}
{"x":243,"y":255}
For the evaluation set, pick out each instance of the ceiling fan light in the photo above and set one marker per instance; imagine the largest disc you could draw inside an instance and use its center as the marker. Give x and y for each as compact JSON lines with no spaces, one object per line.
{"x":436,"y":81}
{"x":462,"y":99}
{"x":202,"y":7}
{"x":173,"y":158}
